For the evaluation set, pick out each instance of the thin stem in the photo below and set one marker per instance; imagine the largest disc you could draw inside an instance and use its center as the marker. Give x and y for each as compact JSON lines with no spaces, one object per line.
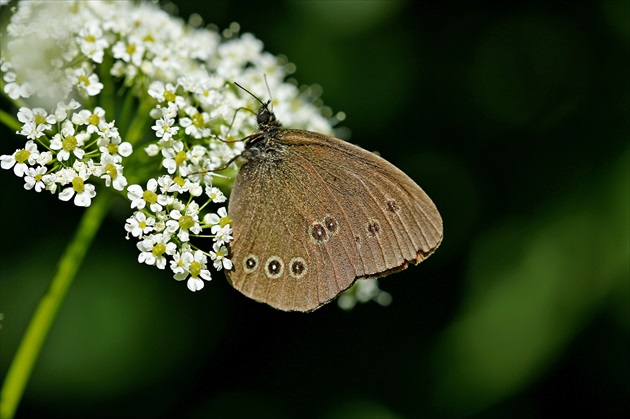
{"x":9,"y":121}
{"x":31,"y":344}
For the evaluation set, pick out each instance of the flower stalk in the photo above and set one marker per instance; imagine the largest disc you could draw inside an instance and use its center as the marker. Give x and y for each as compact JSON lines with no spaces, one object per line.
{"x":37,"y":330}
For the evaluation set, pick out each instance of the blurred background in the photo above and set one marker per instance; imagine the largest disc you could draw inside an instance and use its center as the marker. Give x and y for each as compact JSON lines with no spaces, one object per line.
{"x":513,"y":116}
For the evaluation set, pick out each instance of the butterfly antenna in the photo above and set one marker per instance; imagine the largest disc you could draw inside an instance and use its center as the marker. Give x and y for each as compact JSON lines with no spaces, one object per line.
{"x":268,"y":92}
{"x":251,"y":94}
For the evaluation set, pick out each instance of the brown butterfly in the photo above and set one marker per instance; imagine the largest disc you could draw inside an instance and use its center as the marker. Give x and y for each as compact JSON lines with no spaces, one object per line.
{"x":312,"y":214}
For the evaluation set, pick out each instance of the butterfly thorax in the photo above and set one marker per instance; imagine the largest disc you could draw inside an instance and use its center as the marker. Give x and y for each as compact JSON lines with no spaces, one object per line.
{"x":264,"y":145}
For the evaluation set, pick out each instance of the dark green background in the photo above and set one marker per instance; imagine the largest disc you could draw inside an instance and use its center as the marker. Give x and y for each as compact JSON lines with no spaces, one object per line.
{"x":513,"y":116}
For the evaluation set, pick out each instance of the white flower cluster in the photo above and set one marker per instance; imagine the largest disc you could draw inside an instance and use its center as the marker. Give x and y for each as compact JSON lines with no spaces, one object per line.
{"x":363,"y":291}
{"x":77,"y":147}
{"x":69,"y":64}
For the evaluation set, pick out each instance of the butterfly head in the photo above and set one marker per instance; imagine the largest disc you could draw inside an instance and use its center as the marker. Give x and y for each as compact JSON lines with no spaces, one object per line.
{"x":266,"y":118}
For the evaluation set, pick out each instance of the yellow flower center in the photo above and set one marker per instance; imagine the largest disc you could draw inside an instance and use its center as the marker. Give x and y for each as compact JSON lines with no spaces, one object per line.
{"x":186,"y":222}
{"x":40,"y":119}
{"x":69,"y":143}
{"x":179,"y":181}
{"x":94,"y":119}
{"x":150,"y":197}
{"x":195,"y":269}
{"x":197,"y":120}
{"x":84,"y":80}
{"x":180,"y":158}
{"x":22,"y":156}
{"x":169,"y":96}
{"x":225,"y":221}
{"x":77,"y":184}
{"x":111,"y":170}
{"x":158,"y":250}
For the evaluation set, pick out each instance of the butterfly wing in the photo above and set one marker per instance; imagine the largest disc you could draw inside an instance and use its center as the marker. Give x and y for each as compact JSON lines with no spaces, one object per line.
{"x":320,"y":215}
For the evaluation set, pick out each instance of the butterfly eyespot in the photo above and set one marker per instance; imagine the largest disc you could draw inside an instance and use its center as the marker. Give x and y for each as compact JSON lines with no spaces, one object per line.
{"x":392,"y":205}
{"x":274,"y":267}
{"x":318,"y":233}
{"x":331,"y":224}
{"x":250,"y":264}
{"x":297,"y":268}
{"x":373,"y":227}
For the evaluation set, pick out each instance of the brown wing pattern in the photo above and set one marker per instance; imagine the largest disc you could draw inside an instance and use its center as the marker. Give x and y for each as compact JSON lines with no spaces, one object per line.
{"x":328,"y":213}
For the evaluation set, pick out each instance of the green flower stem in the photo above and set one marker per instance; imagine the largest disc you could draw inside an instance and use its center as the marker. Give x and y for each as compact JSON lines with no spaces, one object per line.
{"x":31,"y":344}
{"x":139,"y":126}
{"x":10,"y":121}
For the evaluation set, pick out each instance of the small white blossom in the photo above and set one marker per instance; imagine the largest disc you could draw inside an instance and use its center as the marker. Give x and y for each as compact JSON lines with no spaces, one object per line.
{"x":68,"y":141}
{"x":222,"y":234}
{"x":173,"y":157}
{"x":182,"y":224}
{"x":114,"y":146}
{"x":82,"y":192}
{"x":34,"y":178}
{"x":215,"y":194}
{"x":92,"y":41}
{"x":139,"y":224}
{"x":219,"y":255}
{"x":86,"y":81}
{"x":152,"y":150}
{"x":21,"y":159}
{"x":153,"y":249}
{"x":193,"y":267}
{"x":140,"y":198}
{"x":112,"y":172}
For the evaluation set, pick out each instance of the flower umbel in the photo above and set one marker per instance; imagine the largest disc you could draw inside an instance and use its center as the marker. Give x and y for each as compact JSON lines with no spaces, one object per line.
{"x":118,"y":77}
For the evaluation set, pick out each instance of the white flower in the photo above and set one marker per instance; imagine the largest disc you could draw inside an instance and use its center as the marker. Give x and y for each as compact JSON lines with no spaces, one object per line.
{"x":170,"y":76}
{"x":196,"y":125}
{"x":109,"y":130}
{"x":82,"y":192}
{"x":218,"y":220}
{"x":139,"y":198}
{"x":363,"y":291}
{"x":115,"y":147}
{"x":67,"y":142}
{"x":161,"y":92}
{"x":86,"y":81}
{"x":164,"y":128}
{"x":92,"y":120}
{"x":222,"y":234}
{"x":61,"y":111}
{"x":177,"y":264}
{"x":139,"y":224}
{"x":219,"y":255}
{"x":215,"y":194}
{"x":154,"y":247}
{"x":92,"y":41}
{"x":16,"y":89}
{"x":112,"y":172}
{"x":34,"y":178}
{"x":195,"y":266}
{"x":173,"y":157}
{"x":130,"y":51}
{"x":35,"y":121}
{"x":20,"y":159}
{"x":183,"y":223}
{"x":152,"y":150}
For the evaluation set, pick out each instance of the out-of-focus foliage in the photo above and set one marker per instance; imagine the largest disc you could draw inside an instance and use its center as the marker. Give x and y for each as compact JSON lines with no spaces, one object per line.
{"x":513,"y":117}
